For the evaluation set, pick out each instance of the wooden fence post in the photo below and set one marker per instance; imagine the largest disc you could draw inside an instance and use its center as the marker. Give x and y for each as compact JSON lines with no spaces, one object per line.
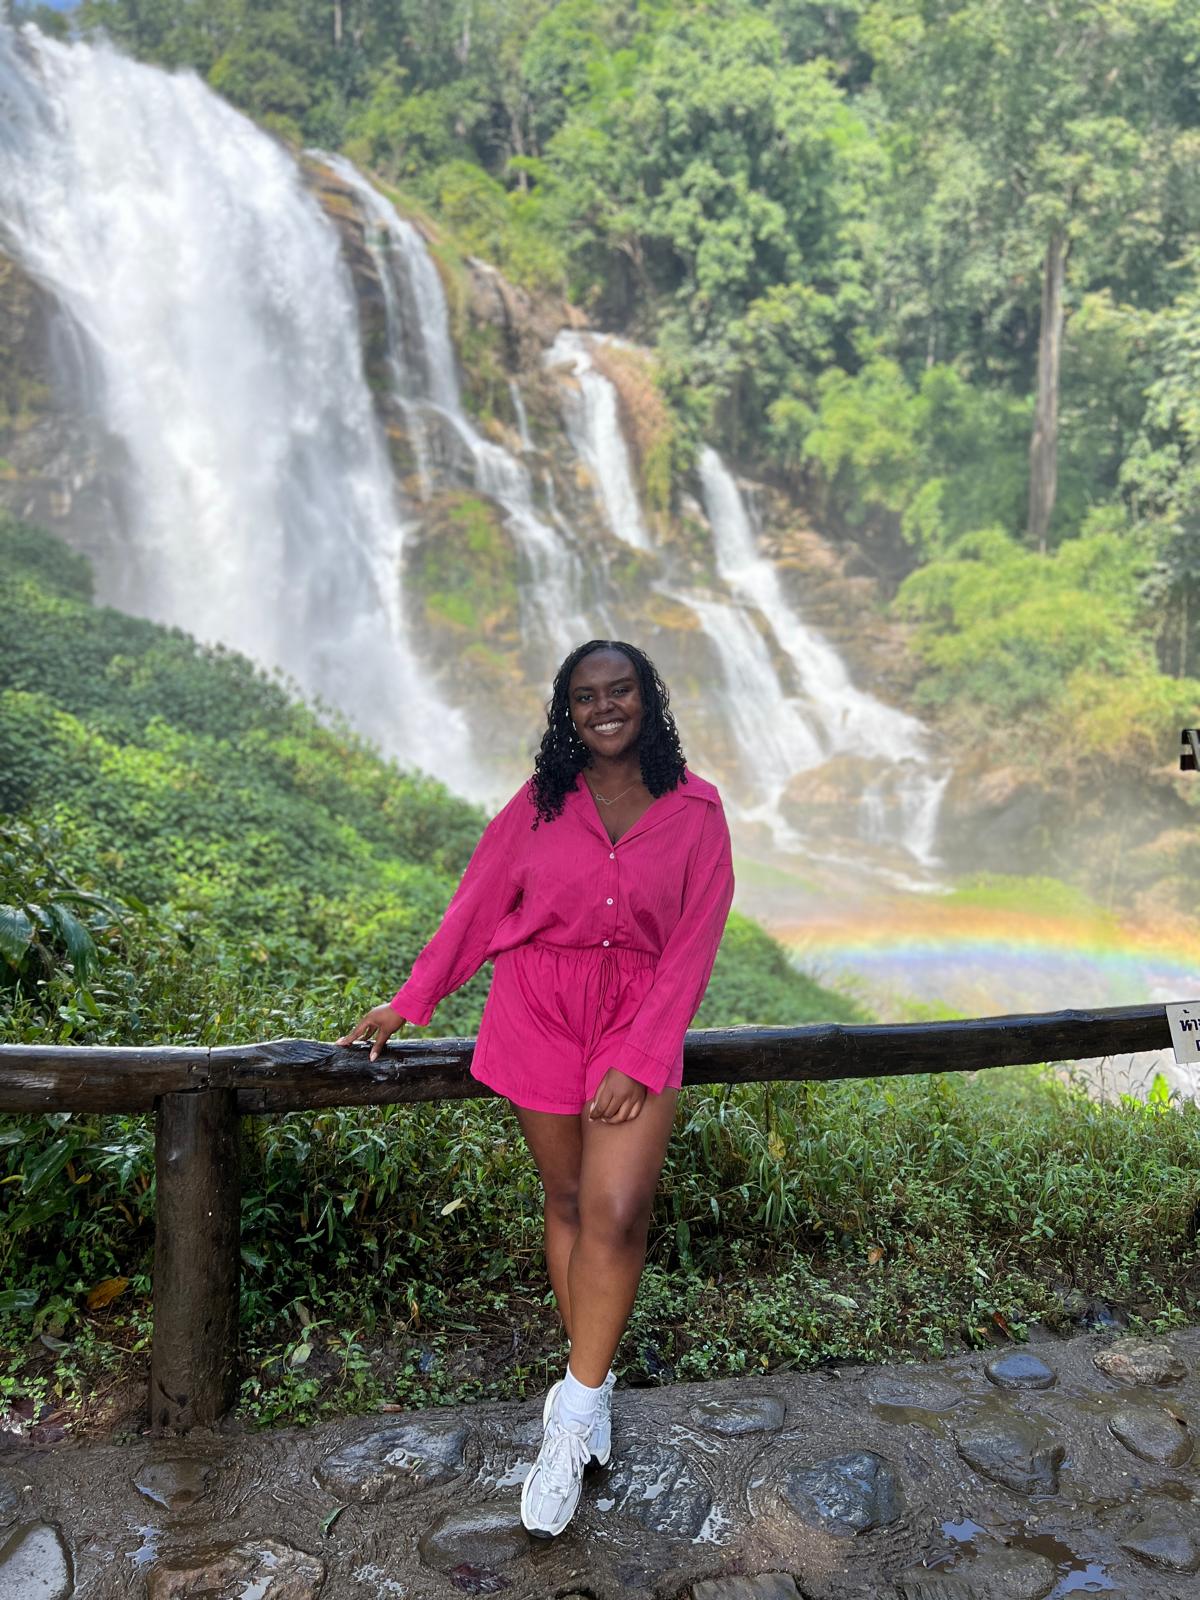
{"x":193,"y":1369}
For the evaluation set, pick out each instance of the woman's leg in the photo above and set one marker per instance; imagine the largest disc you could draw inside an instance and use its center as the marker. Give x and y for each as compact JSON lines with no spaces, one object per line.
{"x":556,"y":1143}
{"x":618,"y":1177}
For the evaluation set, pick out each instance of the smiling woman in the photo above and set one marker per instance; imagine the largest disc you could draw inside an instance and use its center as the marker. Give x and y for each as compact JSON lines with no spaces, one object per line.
{"x":600,"y":892}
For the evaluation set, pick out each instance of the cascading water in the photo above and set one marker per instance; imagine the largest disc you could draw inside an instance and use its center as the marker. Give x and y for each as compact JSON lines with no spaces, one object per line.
{"x":849,"y":720}
{"x":425,"y":375}
{"x":594,"y":428}
{"x":221,"y":337}
{"x":216,"y":320}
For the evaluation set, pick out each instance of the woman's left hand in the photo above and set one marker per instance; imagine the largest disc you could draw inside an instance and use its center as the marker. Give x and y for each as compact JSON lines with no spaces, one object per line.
{"x":618,"y":1099}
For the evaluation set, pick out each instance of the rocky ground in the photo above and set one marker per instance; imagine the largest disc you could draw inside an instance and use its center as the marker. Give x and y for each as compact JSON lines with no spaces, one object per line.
{"x":1063,"y":1467}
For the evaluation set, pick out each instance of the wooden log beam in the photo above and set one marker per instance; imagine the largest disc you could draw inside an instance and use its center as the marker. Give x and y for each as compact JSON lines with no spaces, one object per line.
{"x":305,"y":1074}
{"x":69,"y":1077}
{"x":193,"y":1369}
{"x":299,"y":1074}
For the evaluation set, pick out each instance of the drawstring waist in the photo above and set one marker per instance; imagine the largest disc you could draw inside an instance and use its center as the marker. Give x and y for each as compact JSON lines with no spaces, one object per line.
{"x":611,"y":963}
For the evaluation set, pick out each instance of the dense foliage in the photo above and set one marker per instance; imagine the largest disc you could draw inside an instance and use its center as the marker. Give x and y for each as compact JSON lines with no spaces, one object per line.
{"x":837,"y":224}
{"x":188,"y":854}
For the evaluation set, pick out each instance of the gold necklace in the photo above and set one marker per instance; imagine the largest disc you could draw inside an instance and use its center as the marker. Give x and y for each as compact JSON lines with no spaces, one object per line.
{"x":615,"y":797}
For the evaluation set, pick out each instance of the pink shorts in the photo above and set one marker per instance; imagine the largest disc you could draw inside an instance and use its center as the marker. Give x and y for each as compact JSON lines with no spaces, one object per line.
{"x":555,"y":1019}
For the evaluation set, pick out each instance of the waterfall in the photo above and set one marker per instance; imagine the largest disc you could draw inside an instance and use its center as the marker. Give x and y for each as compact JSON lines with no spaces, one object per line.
{"x":518,"y":400}
{"x":425,"y":380}
{"x":594,"y":429}
{"x":904,"y":801}
{"x":220,"y":334}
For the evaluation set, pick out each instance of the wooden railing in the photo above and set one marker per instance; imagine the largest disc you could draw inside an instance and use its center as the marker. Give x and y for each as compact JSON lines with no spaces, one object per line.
{"x":197,"y":1096}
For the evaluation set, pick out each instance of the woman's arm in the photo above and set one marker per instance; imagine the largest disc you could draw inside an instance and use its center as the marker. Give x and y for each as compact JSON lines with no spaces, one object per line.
{"x":486,"y":893}
{"x":652,"y":1048}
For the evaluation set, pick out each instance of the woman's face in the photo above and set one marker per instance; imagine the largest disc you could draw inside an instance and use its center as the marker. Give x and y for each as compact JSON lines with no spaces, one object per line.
{"x":606,"y":703}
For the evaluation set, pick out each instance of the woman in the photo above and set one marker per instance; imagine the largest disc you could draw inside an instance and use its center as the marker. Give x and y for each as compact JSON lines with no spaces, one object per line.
{"x":600,"y":893}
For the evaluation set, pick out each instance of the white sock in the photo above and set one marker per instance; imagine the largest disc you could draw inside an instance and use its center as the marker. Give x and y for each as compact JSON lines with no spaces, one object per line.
{"x":610,"y":1376}
{"x":576,"y":1403}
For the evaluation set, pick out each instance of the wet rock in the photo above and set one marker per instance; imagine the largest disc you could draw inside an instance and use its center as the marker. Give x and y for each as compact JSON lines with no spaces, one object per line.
{"x":732,"y":1418}
{"x":35,"y":1564}
{"x":656,"y":1487}
{"x":528,"y":1434}
{"x":1162,"y":1540}
{"x":995,"y":1575}
{"x":10,"y":1500}
{"x":487,"y":1536}
{"x":1145,"y":1362}
{"x":1152,"y":1433}
{"x":470,"y":1579}
{"x":394,"y":1461}
{"x":1013,"y":1452}
{"x":260,"y":1568}
{"x":1105,"y":1318}
{"x":174,"y":1483}
{"x":844,"y":1495}
{"x":766,"y":1586}
{"x":913,"y":1394}
{"x":1018,"y":1369}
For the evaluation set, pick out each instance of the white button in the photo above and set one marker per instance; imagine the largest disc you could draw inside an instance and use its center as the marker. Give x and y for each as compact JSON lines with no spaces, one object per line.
{"x":612,"y":855}
{"x":604,"y":942}
{"x":608,"y":902}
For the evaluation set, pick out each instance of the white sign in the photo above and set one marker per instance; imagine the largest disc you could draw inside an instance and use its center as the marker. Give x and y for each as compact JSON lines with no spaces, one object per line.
{"x":1184,"y":1022}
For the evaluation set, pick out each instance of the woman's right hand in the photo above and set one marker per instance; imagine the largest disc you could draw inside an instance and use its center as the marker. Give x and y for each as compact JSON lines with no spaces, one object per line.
{"x":380,"y":1020}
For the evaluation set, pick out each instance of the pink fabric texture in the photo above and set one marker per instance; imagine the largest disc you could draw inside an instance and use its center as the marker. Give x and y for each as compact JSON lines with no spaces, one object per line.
{"x":602,"y":951}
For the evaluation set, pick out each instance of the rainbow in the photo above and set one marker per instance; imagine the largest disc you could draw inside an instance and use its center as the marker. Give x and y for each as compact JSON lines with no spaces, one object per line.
{"x":953,"y":953}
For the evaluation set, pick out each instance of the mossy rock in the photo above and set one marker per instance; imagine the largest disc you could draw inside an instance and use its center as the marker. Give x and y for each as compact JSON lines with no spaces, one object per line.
{"x":464,"y":567}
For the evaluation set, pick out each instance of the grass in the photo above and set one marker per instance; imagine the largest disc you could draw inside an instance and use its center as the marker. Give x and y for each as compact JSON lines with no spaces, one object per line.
{"x":393,"y":1255}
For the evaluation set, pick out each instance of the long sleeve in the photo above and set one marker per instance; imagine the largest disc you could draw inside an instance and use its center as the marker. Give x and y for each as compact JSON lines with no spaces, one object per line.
{"x":686,"y":963}
{"x":486,"y":893}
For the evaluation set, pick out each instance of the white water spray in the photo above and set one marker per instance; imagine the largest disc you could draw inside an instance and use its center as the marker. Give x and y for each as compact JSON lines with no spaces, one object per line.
{"x":903,"y":801}
{"x":449,"y":446}
{"x":219,"y":327}
{"x":591,"y":414}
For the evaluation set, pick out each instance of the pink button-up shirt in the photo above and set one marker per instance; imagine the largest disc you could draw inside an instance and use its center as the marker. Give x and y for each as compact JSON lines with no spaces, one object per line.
{"x":665,"y":887}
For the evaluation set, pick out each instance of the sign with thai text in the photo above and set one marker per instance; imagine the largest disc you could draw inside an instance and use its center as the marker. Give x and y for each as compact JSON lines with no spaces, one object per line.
{"x":1184,"y":1022}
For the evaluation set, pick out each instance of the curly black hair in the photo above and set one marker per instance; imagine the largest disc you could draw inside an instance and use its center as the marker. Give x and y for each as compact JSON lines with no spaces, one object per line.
{"x":563,"y":753}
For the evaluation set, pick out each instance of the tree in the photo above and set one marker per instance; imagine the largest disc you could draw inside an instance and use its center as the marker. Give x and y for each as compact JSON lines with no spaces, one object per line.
{"x":1034,"y":148}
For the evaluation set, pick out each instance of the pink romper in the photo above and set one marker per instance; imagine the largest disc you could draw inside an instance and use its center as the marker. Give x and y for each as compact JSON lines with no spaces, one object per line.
{"x":601,"y":951}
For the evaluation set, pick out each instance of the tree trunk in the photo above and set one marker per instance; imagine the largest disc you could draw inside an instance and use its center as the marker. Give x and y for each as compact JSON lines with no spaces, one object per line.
{"x":1043,"y":446}
{"x":518,"y":144}
{"x":1184,"y":629}
{"x":337,"y":24}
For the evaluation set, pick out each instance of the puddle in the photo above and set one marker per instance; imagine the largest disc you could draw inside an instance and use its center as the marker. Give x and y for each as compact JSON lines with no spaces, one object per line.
{"x":147,"y":1552}
{"x":1092,"y":1580}
{"x":174,"y":1483}
{"x":714,"y":1527}
{"x":963,"y":1531}
{"x":35,"y":1565}
{"x":1079,"y":1575}
{"x":902,"y":1416}
{"x":511,"y":1477}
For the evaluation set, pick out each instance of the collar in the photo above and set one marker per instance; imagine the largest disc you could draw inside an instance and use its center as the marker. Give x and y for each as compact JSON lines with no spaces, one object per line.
{"x":659,"y":810}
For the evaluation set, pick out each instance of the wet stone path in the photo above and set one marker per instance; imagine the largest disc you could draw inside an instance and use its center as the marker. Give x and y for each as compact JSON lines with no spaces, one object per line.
{"x":1055,"y":1469}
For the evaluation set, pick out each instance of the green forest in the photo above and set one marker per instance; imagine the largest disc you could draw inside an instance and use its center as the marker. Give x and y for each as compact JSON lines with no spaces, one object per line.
{"x":188,"y":854}
{"x":931,"y":268}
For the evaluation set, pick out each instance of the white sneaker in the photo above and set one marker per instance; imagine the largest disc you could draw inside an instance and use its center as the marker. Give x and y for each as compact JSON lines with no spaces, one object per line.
{"x":600,"y":1438}
{"x":552,"y":1488}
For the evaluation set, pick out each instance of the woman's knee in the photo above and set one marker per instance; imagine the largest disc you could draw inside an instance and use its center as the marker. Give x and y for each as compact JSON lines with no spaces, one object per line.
{"x":616,"y":1221}
{"x":562,"y":1203}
